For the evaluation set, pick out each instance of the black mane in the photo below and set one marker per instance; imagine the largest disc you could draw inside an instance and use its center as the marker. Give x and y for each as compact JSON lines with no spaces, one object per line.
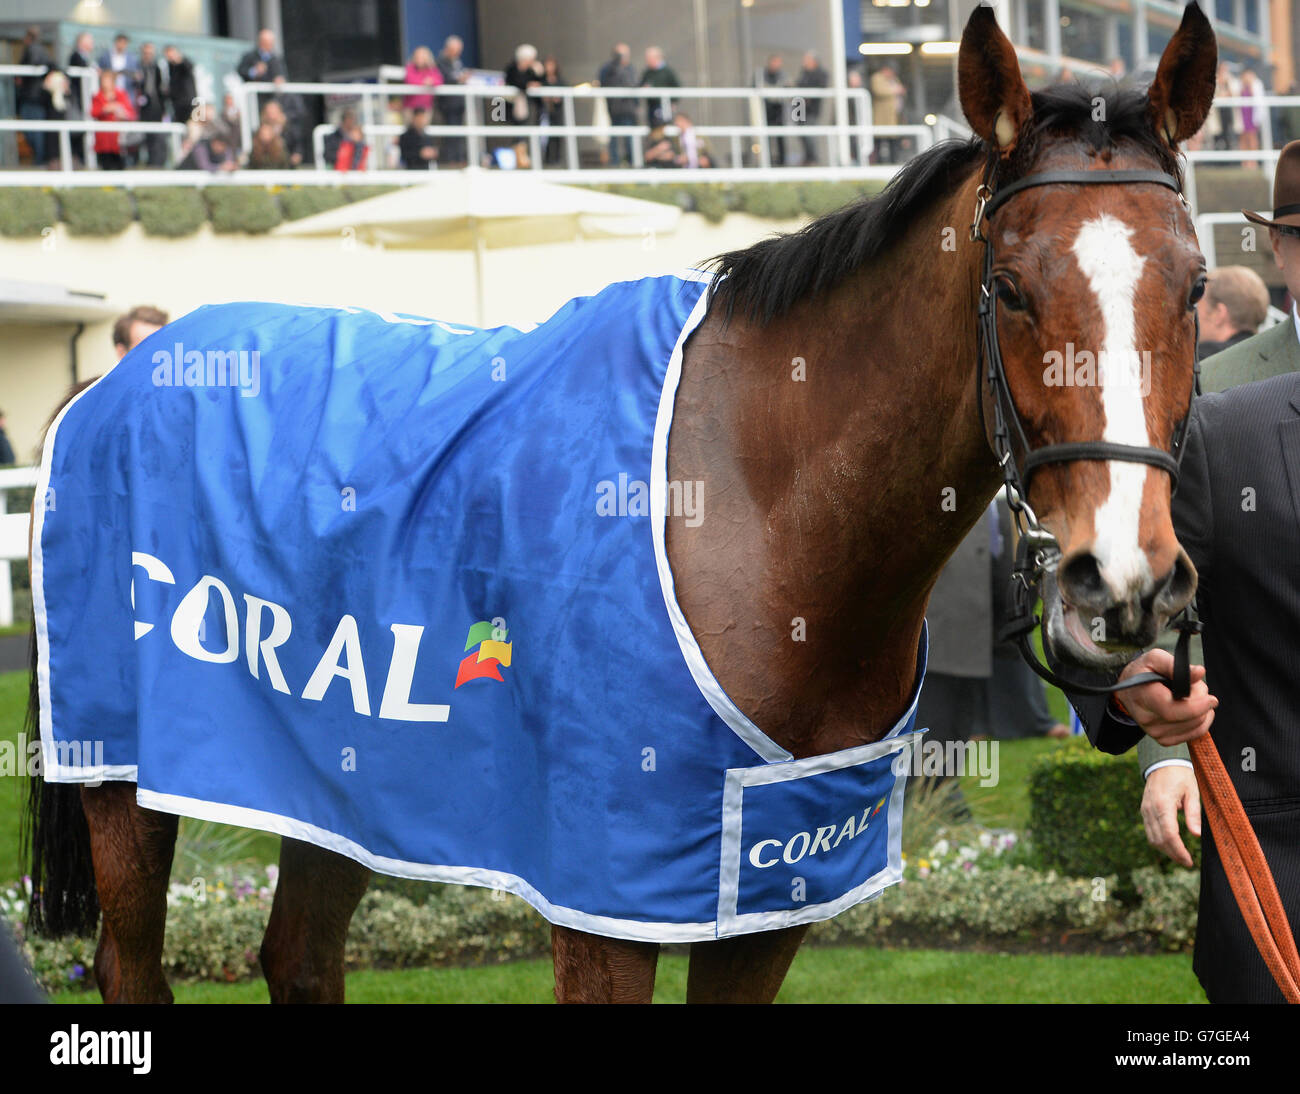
{"x":764,"y":281}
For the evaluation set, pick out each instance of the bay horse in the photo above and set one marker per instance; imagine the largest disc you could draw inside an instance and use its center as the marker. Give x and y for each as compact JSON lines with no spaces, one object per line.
{"x":833,"y":404}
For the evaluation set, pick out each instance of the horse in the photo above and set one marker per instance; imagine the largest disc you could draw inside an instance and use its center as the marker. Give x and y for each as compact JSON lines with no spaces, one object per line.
{"x":844,"y":443}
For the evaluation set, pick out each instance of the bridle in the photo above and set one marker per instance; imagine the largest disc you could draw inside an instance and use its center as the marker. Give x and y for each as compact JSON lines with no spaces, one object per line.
{"x":1038,"y":553}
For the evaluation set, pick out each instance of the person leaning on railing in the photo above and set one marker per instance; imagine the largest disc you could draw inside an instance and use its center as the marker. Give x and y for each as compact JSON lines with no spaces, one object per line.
{"x":110,"y":104}
{"x":452,"y":151}
{"x":31,"y":94}
{"x":419,"y":151}
{"x":618,"y":72}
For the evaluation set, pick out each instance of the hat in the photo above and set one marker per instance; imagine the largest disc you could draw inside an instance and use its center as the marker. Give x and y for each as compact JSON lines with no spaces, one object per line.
{"x":1286,"y":190}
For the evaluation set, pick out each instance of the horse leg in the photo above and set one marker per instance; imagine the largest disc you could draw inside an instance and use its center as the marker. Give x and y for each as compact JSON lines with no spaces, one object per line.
{"x":592,"y":969}
{"x":132,"y":850}
{"x":746,"y":969}
{"x":315,"y":896}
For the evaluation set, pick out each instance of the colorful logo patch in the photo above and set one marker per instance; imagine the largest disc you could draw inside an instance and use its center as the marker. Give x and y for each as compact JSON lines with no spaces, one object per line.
{"x":492,"y":652}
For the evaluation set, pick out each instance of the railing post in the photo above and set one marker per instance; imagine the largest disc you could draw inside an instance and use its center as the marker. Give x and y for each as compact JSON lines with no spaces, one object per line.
{"x":367,"y":122}
{"x":65,"y":159}
{"x":249,"y":104}
{"x":1205,"y":237}
{"x":473,"y":141}
{"x":570,"y":137}
{"x":1189,"y":188}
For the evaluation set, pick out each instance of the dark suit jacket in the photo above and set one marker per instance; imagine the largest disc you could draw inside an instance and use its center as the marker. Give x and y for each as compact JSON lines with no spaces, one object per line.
{"x":1237,"y":514}
{"x":274,"y":67}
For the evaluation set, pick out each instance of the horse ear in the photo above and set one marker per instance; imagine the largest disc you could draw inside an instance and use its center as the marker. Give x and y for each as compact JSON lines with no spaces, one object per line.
{"x":993,"y":94}
{"x":1180,"y":96}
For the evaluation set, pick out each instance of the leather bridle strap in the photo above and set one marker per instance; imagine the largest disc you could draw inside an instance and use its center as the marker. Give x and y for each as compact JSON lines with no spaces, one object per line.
{"x":1074,"y":178}
{"x":1246,"y":869}
{"x":1097,"y":450}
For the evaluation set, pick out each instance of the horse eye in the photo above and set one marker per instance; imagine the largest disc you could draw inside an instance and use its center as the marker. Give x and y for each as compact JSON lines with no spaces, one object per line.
{"x":1198,"y":290}
{"x":1009,"y":296}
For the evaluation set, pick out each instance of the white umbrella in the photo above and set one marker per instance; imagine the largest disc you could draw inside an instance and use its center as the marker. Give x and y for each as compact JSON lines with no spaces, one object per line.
{"x":475,"y":210}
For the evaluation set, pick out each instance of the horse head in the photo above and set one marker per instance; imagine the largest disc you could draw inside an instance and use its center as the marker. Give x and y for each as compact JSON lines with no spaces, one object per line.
{"x":1089,"y":309}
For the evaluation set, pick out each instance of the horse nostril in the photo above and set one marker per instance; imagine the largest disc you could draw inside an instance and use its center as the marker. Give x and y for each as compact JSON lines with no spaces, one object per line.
{"x":1079,"y":579}
{"x":1178,"y":587}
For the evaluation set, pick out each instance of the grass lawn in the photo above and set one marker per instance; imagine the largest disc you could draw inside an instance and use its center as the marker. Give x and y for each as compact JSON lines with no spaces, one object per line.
{"x":818,"y":976}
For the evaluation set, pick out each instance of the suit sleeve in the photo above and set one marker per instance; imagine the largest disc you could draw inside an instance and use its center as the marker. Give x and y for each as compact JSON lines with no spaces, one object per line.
{"x":1193,"y":524}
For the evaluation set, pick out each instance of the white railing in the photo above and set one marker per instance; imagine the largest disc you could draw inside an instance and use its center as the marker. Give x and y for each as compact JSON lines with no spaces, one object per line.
{"x":847,"y":133}
{"x":537,"y":135}
{"x":482,"y":102}
{"x":13,"y":535}
{"x":68,"y":129}
{"x":1267,"y":157}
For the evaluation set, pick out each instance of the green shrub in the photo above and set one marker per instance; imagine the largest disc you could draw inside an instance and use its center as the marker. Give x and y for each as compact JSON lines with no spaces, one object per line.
{"x":242,"y":208}
{"x":711,"y":201}
{"x":1166,"y":906}
{"x":99,"y":211}
{"x":361,"y":193}
{"x":819,"y":198}
{"x":171,"y":211}
{"x":775,"y":201}
{"x":1084,"y":813}
{"x":26,"y":211}
{"x":453,"y":925}
{"x":304,"y":201}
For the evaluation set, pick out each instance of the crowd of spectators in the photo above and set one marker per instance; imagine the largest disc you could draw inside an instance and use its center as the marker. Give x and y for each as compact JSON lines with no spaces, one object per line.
{"x":137,"y":84}
{"x":131,"y":83}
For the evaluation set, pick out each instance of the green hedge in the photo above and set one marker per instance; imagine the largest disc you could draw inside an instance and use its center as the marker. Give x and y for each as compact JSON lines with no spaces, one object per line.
{"x":1084,"y":814}
{"x":304,"y":201}
{"x":252,"y":209}
{"x":102,"y":211}
{"x":171,"y":211}
{"x":27,"y":211}
{"x":179,"y":211}
{"x":769,"y":200}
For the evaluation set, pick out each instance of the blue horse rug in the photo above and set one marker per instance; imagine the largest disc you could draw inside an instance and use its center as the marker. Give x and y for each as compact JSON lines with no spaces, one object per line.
{"x":398,"y":588}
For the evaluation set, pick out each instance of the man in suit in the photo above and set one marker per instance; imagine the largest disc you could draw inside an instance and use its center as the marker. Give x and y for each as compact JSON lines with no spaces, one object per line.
{"x":149,"y":98}
{"x":1237,"y":514}
{"x":31,"y":97}
{"x":263,"y":65}
{"x":121,"y":61}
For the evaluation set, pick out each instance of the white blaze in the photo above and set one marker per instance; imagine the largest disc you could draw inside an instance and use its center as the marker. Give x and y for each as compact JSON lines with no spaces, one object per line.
{"x":1113,"y":269}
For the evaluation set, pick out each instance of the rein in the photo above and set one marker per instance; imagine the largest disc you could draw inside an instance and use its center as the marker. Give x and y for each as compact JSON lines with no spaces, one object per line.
{"x":1038,"y":555}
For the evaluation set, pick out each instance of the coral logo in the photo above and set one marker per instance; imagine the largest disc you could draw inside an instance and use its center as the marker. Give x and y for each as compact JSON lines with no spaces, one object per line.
{"x":492,"y":652}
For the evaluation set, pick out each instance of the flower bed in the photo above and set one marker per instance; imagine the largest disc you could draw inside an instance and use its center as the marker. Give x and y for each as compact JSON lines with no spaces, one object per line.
{"x":978,"y":892}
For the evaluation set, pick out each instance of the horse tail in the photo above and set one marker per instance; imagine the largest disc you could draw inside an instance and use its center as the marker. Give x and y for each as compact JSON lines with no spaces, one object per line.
{"x":54,"y":835}
{"x":56,"y":845}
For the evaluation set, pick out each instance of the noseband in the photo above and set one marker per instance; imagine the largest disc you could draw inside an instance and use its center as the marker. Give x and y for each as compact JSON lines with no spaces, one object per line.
{"x":1038,"y":553}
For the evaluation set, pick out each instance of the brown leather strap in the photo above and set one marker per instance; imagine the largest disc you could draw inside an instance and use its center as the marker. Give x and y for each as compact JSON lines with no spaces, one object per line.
{"x":1247,"y":872}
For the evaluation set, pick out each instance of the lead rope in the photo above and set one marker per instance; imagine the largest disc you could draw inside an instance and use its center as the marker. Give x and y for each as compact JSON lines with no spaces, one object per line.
{"x":1246,"y":869}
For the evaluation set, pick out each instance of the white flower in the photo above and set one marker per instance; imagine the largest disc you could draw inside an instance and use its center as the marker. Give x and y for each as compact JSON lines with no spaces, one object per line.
{"x":941,"y":848}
